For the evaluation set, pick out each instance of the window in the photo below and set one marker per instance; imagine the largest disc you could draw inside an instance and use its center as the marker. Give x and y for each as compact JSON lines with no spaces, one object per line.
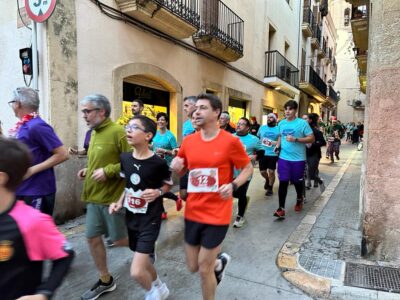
{"x":347,"y":17}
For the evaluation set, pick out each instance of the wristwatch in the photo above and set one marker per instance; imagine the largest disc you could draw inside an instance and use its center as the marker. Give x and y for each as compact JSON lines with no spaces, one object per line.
{"x":296,"y":140}
{"x":234,"y":186}
{"x":161,"y":192}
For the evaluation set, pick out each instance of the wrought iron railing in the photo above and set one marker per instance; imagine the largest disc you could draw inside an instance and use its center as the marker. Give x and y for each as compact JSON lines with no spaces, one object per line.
{"x":324,"y":45}
{"x":317,"y":32}
{"x":359,"y":12}
{"x":276,"y":65}
{"x":308,"y":16}
{"x":332,"y":94}
{"x":185,"y":9}
{"x":220,"y":21}
{"x":309,"y":75}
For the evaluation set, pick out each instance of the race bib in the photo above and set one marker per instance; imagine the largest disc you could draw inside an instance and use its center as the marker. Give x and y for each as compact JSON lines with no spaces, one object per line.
{"x":204,"y":180}
{"x":267,"y":142}
{"x":134,"y":203}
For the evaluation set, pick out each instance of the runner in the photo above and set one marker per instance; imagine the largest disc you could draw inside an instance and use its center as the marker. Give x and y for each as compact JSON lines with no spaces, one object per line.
{"x":254,"y":150}
{"x":147,"y":180}
{"x":209,"y":205}
{"x":294,"y":133}
{"x":163,"y":144}
{"x":268,"y":135}
{"x":27,"y":236}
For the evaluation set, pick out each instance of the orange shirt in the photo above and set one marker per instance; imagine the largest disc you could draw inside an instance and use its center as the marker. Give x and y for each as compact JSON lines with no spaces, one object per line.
{"x":223,"y":153}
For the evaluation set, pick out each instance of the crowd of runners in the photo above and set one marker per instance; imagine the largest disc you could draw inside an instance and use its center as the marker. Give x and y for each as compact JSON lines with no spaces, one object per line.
{"x":129,"y":175}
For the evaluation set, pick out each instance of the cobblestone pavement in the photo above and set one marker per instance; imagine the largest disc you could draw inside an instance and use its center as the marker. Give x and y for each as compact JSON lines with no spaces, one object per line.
{"x":252,"y":274}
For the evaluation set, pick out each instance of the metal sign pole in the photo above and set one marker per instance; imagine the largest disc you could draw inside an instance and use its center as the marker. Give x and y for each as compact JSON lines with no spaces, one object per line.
{"x":34,"y":56}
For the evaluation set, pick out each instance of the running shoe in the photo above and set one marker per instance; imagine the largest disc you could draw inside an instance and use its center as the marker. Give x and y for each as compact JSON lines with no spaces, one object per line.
{"x":164,"y":291}
{"x":280,"y":213}
{"x":299,"y":205}
{"x":178,"y":204}
{"x":164,"y":216}
{"x":269,"y":191}
{"x":315,"y":183}
{"x":239,"y":222}
{"x":98,"y":289}
{"x":337,"y":157}
{"x":225,"y":259}
{"x":153,"y":294}
{"x":109,"y":243}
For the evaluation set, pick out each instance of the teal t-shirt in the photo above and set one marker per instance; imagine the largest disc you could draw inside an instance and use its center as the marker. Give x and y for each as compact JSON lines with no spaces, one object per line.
{"x":251,"y":144}
{"x":268,"y":135}
{"x":165,"y":141}
{"x":298,"y":128}
{"x":187,"y":128}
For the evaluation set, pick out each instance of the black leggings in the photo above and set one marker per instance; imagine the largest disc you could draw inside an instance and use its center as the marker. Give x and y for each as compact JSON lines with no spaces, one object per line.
{"x":282,"y":192}
{"x":240,"y":193}
{"x":169,"y":195}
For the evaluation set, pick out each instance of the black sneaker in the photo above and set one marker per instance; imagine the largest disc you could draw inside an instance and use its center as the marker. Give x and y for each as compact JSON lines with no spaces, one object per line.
{"x":337,"y":157}
{"x":269,"y":191}
{"x":315,"y":183}
{"x":225,"y":259}
{"x":99,"y":289}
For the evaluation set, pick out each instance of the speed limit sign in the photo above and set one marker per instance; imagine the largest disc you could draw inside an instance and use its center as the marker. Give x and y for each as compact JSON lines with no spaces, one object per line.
{"x":40,"y":10}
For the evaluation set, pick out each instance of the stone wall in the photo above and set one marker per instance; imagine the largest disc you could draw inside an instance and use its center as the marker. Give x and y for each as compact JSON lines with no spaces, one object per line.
{"x":381,"y":172}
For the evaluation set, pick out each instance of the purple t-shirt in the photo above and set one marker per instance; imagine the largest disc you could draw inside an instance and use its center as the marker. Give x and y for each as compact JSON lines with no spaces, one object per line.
{"x":41,"y":140}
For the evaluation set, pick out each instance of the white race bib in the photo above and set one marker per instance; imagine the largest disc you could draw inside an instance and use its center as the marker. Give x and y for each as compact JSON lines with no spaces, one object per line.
{"x":267,"y":142}
{"x":134,"y":203}
{"x":203,"y":180}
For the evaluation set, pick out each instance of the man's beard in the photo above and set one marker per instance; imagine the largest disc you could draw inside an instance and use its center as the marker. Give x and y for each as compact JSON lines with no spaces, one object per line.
{"x":271,"y":124}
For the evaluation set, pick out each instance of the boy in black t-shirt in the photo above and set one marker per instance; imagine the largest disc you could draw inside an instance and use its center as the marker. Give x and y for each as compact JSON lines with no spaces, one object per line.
{"x":147,"y":179}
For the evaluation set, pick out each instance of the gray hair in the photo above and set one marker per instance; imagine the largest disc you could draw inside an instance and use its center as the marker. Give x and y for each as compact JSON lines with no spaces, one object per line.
{"x":226,"y":115}
{"x":98,"y":101}
{"x":191,"y":99}
{"x":28,"y":97}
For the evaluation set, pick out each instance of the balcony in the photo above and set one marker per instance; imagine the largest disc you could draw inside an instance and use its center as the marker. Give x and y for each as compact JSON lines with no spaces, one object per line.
{"x":359,"y":26}
{"x":177,"y":18}
{"x":280,"y":73}
{"x":312,"y":84}
{"x":316,"y":37}
{"x":332,"y":95}
{"x":328,"y":58}
{"x":221,"y":31}
{"x":322,"y":51}
{"x":308,"y":21}
{"x":361,"y":56}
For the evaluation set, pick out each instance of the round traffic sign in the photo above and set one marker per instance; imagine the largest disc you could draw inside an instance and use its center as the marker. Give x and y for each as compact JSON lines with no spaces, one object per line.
{"x":40,"y":10}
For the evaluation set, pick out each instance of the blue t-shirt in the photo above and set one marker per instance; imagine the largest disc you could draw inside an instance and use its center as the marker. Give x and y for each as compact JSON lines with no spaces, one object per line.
{"x":268,"y":135}
{"x":187,"y":128}
{"x":251,"y":144}
{"x":298,"y":128}
{"x":165,"y":141}
{"x":41,"y":141}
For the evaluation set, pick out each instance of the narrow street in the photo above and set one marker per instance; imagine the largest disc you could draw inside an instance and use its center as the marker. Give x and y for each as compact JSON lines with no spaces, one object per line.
{"x":252,"y":273}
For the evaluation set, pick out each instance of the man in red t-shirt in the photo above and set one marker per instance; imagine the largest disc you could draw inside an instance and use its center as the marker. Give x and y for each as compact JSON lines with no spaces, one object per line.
{"x":210,"y":156}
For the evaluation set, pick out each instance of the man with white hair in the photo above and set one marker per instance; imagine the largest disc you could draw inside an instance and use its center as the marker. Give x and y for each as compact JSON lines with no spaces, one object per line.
{"x":39,"y":186}
{"x":224,"y":120}
{"x":268,"y":135}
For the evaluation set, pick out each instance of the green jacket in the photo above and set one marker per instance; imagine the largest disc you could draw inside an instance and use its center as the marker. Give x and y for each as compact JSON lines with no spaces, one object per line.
{"x":107,"y":142}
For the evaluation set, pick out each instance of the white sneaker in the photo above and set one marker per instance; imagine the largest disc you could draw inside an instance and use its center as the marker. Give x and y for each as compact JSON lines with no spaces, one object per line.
{"x":153,"y":294}
{"x":164,"y":291}
{"x":239,"y":222}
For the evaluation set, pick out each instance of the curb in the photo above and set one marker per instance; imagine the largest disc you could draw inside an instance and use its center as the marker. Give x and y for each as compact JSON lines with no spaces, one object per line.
{"x":288,"y":255}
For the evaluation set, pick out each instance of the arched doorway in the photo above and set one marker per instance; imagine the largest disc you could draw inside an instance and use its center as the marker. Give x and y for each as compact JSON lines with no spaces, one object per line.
{"x":154,"y":86}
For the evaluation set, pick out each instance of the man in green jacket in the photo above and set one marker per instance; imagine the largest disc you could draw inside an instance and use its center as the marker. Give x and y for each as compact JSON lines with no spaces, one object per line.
{"x":102,"y":186}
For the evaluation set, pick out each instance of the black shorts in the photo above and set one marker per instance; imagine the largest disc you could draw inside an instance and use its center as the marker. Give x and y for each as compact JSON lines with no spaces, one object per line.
{"x":183,"y":182}
{"x":268,"y":162}
{"x":144,"y":240}
{"x":208,"y":236}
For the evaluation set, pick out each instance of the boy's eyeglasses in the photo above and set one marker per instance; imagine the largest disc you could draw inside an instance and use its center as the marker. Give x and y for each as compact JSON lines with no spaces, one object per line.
{"x":133,"y":127}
